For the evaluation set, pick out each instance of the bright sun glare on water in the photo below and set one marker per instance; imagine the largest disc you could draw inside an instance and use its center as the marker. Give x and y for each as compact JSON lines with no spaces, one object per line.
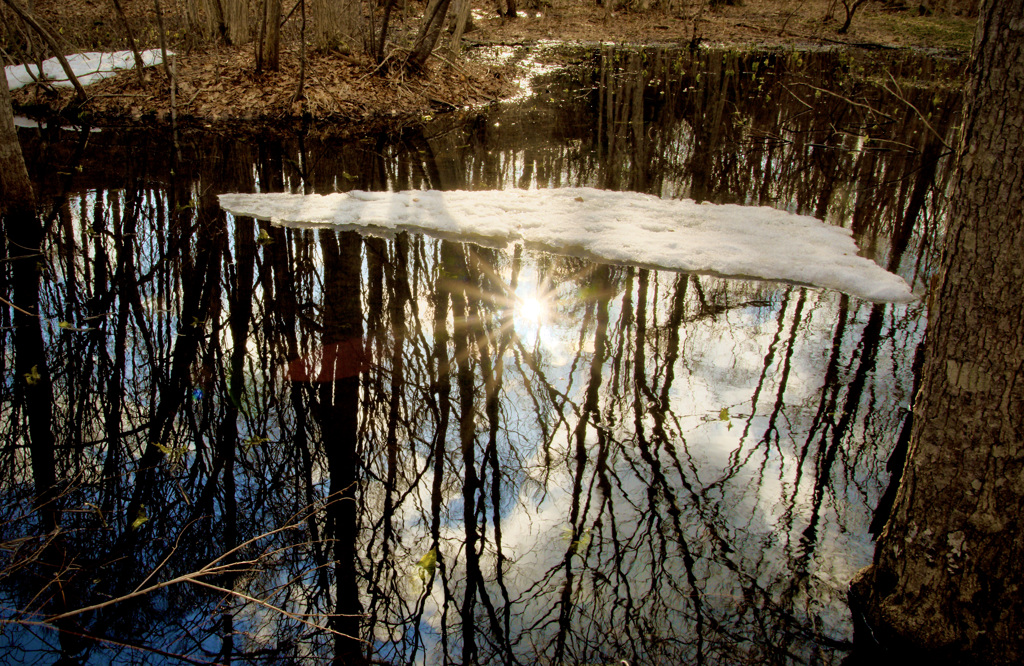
{"x":532,"y":310}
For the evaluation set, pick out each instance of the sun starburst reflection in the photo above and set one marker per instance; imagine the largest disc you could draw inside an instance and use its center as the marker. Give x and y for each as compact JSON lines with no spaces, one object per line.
{"x":532,"y":309}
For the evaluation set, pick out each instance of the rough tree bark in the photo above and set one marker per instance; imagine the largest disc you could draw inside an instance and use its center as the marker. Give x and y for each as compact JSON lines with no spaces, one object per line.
{"x":948,"y":575}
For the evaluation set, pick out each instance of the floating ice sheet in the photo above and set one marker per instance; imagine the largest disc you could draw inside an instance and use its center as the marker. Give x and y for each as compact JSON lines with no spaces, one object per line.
{"x":88,"y":68}
{"x":617,"y":227}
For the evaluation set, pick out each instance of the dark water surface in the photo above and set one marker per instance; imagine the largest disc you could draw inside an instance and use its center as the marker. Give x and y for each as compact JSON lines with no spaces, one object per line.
{"x":450,"y":454}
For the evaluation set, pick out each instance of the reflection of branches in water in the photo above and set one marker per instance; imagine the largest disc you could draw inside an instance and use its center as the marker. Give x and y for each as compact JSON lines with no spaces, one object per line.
{"x":493,"y":375}
{"x":720,"y":126}
{"x":610,"y":551}
{"x":735,"y":461}
{"x":683,"y":536}
{"x":660,"y":485}
{"x":826,"y":457}
{"x":211,"y":575}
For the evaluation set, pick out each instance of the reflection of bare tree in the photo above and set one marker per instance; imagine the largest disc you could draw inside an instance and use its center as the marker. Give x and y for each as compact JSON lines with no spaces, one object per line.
{"x":667,"y":468}
{"x":338,"y":414}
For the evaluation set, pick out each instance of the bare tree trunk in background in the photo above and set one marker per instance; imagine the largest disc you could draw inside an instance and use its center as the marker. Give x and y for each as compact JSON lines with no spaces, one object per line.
{"x":389,"y":5}
{"x":948,"y":572}
{"x":206,"y":18}
{"x":507,"y":8}
{"x":336,"y":25}
{"x":163,"y":39}
{"x":236,"y":16}
{"x":461,"y":18}
{"x":300,"y":93}
{"x":268,"y":55}
{"x":216,"y":12}
{"x":131,"y":39}
{"x":433,"y":21}
{"x":227,"y":20}
{"x":15,"y":185}
{"x":262,"y":36}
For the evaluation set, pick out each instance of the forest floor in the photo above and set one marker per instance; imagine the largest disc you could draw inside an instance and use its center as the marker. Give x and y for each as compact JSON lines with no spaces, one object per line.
{"x":217,"y":84}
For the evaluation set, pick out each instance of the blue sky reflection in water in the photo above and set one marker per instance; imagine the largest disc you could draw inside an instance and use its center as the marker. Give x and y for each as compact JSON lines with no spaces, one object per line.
{"x":654,"y":467}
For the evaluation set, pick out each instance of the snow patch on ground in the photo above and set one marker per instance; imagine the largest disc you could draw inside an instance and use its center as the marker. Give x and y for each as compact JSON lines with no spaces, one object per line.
{"x":88,"y":68}
{"x":615,"y":227}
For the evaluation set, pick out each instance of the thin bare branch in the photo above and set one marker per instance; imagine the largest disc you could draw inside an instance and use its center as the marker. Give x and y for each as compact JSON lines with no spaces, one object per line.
{"x":31,"y":20}
{"x":848,"y":100}
{"x":293,"y":616}
{"x":898,"y":94}
{"x":21,"y":310}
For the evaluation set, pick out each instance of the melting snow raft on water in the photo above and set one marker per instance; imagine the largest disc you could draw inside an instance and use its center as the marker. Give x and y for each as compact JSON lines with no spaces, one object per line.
{"x":617,"y":227}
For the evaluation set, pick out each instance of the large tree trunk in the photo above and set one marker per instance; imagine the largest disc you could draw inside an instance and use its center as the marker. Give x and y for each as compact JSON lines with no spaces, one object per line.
{"x":948,"y":574}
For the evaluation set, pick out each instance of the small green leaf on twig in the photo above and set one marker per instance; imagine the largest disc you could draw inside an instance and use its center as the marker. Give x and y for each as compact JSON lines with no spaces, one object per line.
{"x":576,"y":545}
{"x":253,"y":441}
{"x":32,"y":377}
{"x":427,"y":564}
{"x":174,"y":454}
{"x":141,"y":518}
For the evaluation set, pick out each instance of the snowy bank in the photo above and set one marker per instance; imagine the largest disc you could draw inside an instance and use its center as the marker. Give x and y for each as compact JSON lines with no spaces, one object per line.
{"x":616,"y":227}
{"x":88,"y":68}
